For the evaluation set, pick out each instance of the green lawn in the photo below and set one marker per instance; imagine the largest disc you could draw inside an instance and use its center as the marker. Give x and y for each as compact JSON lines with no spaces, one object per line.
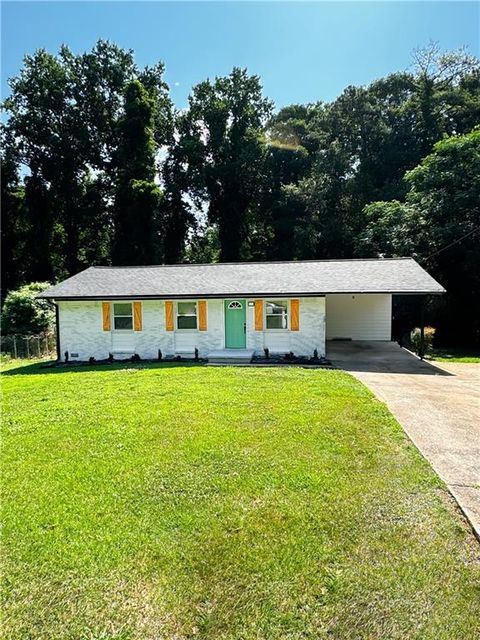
{"x":455,"y":354}
{"x":186,"y":502}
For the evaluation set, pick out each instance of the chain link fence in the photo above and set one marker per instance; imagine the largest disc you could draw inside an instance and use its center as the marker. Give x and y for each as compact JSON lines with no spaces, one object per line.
{"x":27,"y":346}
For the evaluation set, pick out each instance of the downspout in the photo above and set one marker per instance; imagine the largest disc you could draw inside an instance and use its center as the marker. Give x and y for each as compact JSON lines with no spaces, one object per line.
{"x":57,"y":330}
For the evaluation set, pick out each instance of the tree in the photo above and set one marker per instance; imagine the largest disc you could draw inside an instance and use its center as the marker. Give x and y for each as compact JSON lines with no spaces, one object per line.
{"x":445,"y":190}
{"x":13,"y":229}
{"x":37,"y":110}
{"x":24,"y":313}
{"x":439,"y":80}
{"x":40,"y":247}
{"x":180,"y":183}
{"x":63,"y":114}
{"x":223,"y":129}
{"x":393,"y":229}
{"x":288,"y":160}
{"x":203,"y":246}
{"x":439,"y":226}
{"x":369,"y":137}
{"x":138,"y":197}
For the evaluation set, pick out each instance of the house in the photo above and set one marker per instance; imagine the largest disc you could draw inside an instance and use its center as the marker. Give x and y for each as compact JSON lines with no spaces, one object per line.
{"x":243,"y":308}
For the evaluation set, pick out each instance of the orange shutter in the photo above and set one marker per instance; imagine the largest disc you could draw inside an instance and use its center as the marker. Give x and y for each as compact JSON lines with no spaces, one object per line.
{"x":202,"y":315}
{"x":258,"y":315}
{"x":294,"y":315}
{"x":137,"y":316}
{"x":169,"y":315}
{"x":106,"y":316}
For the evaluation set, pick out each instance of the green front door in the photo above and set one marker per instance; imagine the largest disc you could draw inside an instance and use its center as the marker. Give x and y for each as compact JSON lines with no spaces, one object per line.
{"x":235,"y":318}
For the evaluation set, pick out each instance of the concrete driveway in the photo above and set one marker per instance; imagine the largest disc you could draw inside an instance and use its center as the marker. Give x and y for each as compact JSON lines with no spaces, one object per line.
{"x":437,"y":404}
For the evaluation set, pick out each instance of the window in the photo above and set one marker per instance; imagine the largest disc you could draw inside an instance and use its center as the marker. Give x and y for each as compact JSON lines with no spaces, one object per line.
{"x":122,"y":316}
{"x":276,"y":314}
{"x":235,"y":304}
{"x":186,"y":315}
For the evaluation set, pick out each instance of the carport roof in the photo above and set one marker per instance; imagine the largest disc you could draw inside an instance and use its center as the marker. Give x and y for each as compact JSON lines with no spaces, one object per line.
{"x":248,"y":279}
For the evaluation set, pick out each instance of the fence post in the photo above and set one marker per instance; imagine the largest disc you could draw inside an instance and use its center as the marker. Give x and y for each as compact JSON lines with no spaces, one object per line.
{"x":15,"y":346}
{"x":28,"y":346}
{"x":38,"y":347}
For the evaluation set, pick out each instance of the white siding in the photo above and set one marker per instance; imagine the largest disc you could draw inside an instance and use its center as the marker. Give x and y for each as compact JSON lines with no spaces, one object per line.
{"x":81,"y":332}
{"x":311,"y":335}
{"x":359,"y":317}
{"x":187,"y":340}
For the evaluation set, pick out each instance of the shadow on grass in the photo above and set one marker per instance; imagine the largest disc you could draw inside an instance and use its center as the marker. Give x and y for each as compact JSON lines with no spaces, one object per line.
{"x":455,"y":354}
{"x":42,"y":368}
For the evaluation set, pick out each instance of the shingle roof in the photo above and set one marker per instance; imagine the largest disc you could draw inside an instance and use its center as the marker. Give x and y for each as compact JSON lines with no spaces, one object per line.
{"x":302,"y":278}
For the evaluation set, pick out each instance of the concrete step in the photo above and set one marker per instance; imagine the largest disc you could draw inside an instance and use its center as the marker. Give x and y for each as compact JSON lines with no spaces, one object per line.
{"x":230,"y":356}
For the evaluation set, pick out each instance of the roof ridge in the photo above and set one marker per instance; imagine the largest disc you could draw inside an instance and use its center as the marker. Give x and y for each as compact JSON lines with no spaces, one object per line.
{"x":236,"y":264}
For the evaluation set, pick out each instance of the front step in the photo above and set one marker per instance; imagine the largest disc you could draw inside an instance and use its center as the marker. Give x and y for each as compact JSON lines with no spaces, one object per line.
{"x":230,"y":356}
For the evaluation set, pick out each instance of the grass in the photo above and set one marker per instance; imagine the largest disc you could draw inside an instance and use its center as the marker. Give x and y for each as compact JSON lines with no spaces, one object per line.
{"x":177,"y":502}
{"x":456,"y":354}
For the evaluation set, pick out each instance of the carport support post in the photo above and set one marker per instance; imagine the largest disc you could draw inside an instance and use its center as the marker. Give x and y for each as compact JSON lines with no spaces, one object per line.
{"x":422,"y":326}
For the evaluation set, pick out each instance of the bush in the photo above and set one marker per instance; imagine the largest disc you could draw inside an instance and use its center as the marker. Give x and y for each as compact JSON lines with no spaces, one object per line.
{"x":23,"y":313}
{"x":415,"y":338}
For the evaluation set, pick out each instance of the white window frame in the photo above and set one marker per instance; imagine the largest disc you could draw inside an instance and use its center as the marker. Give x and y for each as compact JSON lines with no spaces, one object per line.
{"x":177,"y":315}
{"x":266,"y":315}
{"x":114,"y":315}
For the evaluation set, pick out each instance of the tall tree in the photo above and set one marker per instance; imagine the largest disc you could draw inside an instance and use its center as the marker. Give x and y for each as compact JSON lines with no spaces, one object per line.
{"x":288,"y":160}
{"x":138,"y":197}
{"x":439,"y":83}
{"x":439,"y":225}
{"x":181,"y":184}
{"x":13,"y":228}
{"x":445,"y":191}
{"x":224,"y":129}
{"x":369,"y":137}
{"x":63,"y":113}
{"x":38,"y":107}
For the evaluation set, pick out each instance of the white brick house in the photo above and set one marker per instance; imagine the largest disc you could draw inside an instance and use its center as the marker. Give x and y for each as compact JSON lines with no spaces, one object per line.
{"x":282,"y":306}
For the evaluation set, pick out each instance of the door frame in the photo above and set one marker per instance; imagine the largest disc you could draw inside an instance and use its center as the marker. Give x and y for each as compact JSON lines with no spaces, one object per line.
{"x":225,"y":312}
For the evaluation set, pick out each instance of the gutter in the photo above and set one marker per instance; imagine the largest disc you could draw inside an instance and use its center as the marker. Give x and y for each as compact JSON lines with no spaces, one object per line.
{"x":276,"y":294}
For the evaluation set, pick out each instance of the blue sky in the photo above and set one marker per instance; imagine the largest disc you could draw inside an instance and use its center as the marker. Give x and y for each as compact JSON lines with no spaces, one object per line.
{"x":303,"y":51}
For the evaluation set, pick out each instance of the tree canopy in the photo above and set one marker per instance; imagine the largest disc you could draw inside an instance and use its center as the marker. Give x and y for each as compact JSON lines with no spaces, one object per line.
{"x":98,"y":167}
{"x":23,"y":313}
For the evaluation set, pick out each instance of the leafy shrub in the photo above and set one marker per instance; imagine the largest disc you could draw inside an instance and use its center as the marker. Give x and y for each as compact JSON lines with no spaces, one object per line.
{"x":416,"y":340}
{"x":23,"y":313}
